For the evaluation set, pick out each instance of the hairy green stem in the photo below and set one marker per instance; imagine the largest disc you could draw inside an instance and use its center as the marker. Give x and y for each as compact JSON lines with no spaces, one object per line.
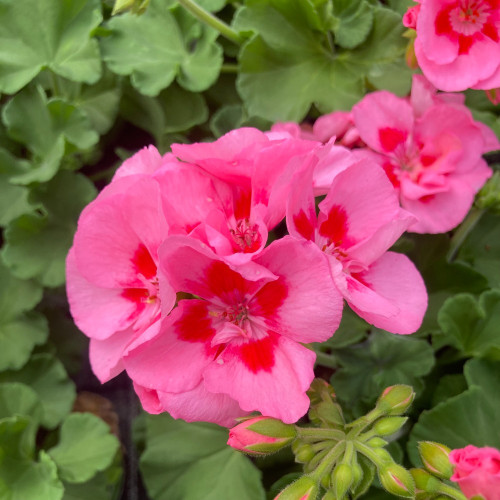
{"x":209,"y":19}
{"x":324,"y":359}
{"x":463,"y":231}
{"x":319,"y":434}
{"x":451,"y":492}
{"x":229,"y":68}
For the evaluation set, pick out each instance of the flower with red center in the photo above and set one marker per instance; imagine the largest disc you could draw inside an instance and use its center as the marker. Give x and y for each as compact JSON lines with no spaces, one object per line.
{"x":458,"y":42}
{"x":358,"y":221}
{"x":477,"y":471}
{"x":242,"y":337}
{"x":431,"y":149}
{"x":250,"y":171}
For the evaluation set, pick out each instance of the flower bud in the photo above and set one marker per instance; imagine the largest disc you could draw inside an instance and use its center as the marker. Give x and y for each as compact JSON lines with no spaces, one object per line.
{"x":135,"y":6}
{"x":435,"y":457}
{"x":357,"y":475}
{"x":389,"y":425}
{"x":493,"y":95}
{"x":304,"y":453}
{"x":396,"y":399}
{"x":305,"y":488}
{"x":424,"y":481}
{"x":377,"y":442}
{"x":342,"y":478}
{"x":327,"y":412}
{"x":397,"y":480}
{"x":489,"y":196}
{"x":384,"y":457}
{"x":329,"y":495}
{"x":261,"y":435}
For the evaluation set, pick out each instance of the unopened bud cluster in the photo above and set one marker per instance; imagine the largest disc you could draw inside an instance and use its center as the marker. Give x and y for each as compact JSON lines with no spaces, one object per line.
{"x":340,"y":459}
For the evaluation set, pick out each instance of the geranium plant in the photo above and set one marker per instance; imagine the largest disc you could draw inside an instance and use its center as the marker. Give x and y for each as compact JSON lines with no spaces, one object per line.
{"x":249,"y":249}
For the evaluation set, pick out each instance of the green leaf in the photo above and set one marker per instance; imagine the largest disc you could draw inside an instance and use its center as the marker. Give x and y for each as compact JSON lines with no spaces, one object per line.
{"x":353,"y":22}
{"x":471,"y":326}
{"x":449,"y":386}
{"x":48,"y":378}
{"x":44,"y":126}
{"x":469,"y":418}
{"x":19,"y":336}
{"x":85,"y":447}
{"x":19,"y":332}
{"x":192,"y":462}
{"x":395,"y":77}
{"x":482,"y":248}
{"x":40,"y":33}
{"x":352,"y":329}
{"x":20,"y":477}
{"x":13,"y":199}
{"x":385,"y":359}
{"x":484,"y":374}
{"x":18,"y":399}
{"x":174,"y":110}
{"x":104,"y":485}
{"x":50,"y":233}
{"x":154,"y":50}
{"x":284,"y":67}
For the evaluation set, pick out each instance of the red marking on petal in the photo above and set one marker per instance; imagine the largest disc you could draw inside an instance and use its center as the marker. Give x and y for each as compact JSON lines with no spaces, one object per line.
{"x":426,"y":199}
{"x":464,"y":44}
{"x":242,"y":203}
{"x":138,"y":295}
{"x":427,"y":160}
{"x":442,"y":23}
{"x":303,"y":225}
{"x":258,"y":355}
{"x":390,"y":138}
{"x":359,"y":277}
{"x":222,"y":280}
{"x":335,"y":227}
{"x":491,"y":31}
{"x":144,"y":263}
{"x":269,"y":298}
{"x":195,"y":325}
{"x":494,"y":4}
{"x":390,"y":171}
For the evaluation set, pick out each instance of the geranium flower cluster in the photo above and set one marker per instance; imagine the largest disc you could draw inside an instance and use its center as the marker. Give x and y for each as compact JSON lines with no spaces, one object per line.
{"x":171,"y":276}
{"x":428,"y":144}
{"x":457,"y":43}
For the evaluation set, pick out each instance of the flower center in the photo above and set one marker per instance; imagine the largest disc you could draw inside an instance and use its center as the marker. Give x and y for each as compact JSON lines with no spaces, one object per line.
{"x":236,"y":314}
{"x":469,"y":17}
{"x":246,"y":235}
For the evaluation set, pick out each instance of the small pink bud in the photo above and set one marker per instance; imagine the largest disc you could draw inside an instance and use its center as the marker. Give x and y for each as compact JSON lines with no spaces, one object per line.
{"x":410,"y":17}
{"x":493,"y":95}
{"x":397,"y":480}
{"x":435,"y":457}
{"x":305,"y":488}
{"x":261,"y":435}
{"x":396,"y":399}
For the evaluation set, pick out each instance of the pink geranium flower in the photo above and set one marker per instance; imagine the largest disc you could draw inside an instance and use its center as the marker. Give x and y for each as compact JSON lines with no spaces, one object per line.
{"x":250,"y":171}
{"x":358,"y":221}
{"x":458,"y":42}
{"x":477,"y":471}
{"x":240,"y":340}
{"x":431,"y":149}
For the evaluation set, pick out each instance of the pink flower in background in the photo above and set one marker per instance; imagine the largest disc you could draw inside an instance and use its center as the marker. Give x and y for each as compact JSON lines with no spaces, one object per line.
{"x":358,"y":221}
{"x":458,"y":42}
{"x":338,"y":125}
{"x":477,"y":471}
{"x":431,"y":149}
{"x":242,"y":337}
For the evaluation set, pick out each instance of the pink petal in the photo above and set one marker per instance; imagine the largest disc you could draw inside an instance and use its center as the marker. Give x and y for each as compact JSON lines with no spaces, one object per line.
{"x":360,"y":201}
{"x":395,"y":279}
{"x":106,"y":355}
{"x":302,"y":304}
{"x":98,"y":312}
{"x":145,"y":161}
{"x":191,"y":267}
{"x":441,"y":212}
{"x":383,"y":120}
{"x":175,"y":358}
{"x":270,"y":376}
